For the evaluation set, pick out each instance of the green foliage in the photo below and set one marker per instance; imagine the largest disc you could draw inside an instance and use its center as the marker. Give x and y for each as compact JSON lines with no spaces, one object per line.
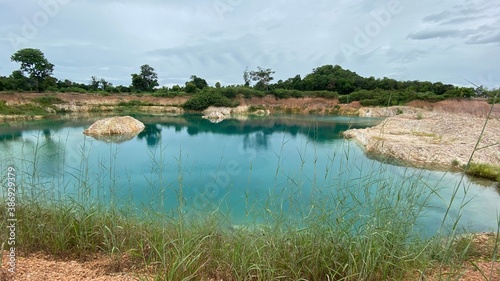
{"x":168,"y":93}
{"x":146,"y":80}
{"x":387,"y":98}
{"x":34,"y":63}
{"x":190,"y":88}
{"x":249,"y":92}
{"x":17,"y":81}
{"x":459,"y":93}
{"x":261,"y":76}
{"x":229,"y":92}
{"x":494,"y":96}
{"x":73,"y":90}
{"x":284,"y":94}
{"x":132,"y":103}
{"x":48,"y":100}
{"x":23,"y":109}
{"x":487,"y":171}
{"x":200,"y":83}
{"x":206,"y":98}
{"x":100,"y":84}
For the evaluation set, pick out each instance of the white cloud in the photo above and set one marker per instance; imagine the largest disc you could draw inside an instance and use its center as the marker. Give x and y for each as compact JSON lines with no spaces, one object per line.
{"x":217,"y":39}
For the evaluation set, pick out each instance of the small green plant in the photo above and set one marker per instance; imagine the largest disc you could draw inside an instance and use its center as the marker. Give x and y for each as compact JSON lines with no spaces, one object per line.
{"x":22,"y":109}
{"x":48,"y":100}
{"x":254,"y":108}
{"x":455,"y":163}
{"x":483,"y":170}
{"x":133,"y":103}
{"x":419,"y":116}
{"x":206,"y":98}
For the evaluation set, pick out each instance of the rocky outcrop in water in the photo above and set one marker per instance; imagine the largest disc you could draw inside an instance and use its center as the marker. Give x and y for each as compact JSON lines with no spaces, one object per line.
{"x":115,"y":129}
{"x":218,"y":114}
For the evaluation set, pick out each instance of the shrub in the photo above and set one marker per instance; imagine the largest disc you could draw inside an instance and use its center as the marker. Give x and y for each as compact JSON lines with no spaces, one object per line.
{"x":206,"y":98}
{"x":229,"y":92}
{"x":190,"y":88}
{"x":285,"y":94}
{"x":487,"y":171}
{"x":323,"y":94}
{"x":48,"y":100}
{"x":73,"y":90}
{"x":168,"y":94}
{"x":249,"y":92}
{"x":23,"y":109}
{"x":132,"y":103}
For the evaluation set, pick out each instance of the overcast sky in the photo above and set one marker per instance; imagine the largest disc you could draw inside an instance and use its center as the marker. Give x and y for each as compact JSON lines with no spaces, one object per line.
{"x":434,"y":40}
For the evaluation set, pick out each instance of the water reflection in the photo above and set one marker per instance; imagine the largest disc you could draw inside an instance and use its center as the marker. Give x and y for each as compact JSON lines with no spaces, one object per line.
{"x":259,"y":140}
{"x":320,"y":129}
{"x":152,"y":134}
{"x":306,"y":149}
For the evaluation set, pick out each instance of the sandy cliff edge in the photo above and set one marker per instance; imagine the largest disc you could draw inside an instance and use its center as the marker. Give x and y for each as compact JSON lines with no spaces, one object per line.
{"x":432,"y":139}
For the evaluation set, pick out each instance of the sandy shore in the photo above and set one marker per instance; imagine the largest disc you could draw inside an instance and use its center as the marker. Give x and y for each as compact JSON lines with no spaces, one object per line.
{"x":433,"y":139}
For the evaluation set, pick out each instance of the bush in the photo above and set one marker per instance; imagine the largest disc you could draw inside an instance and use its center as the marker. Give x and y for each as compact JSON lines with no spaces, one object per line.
{"x":190,"y":88}
{"x":430,"y":97}
{"x":206,"y":98}
{"x":388,"y":98}
{"x":73,"y":90}
{"x":482,"y":170}
{"x":133,"y":103}
{"x":23,"y":109}
{"x":229,"y":92}
{"x":285,"y":94}
{"x":249,"y":92}
{"x":168,"y":94}
{"x":48,"y":100}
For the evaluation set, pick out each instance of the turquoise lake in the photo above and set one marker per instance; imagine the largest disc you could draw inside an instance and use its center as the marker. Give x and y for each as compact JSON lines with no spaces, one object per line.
{"x":249,"y":170}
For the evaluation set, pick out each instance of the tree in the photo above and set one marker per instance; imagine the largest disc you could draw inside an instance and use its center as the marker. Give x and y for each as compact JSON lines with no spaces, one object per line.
{"x":34,"y":63}
{"x":246,"y":77}
{"x":19,"y":82}
{"x":146,"y":80}
{"x":94,"y":83}
{"x":190,"y":87}
{"x":262,"y":77}
{"x":200,"y":83}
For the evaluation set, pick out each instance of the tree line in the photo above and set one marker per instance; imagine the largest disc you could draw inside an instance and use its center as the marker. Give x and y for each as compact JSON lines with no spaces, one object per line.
{"x":328,"y":81}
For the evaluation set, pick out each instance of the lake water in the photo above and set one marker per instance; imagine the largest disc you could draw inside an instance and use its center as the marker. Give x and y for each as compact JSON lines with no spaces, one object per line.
{"x":251,"y":171}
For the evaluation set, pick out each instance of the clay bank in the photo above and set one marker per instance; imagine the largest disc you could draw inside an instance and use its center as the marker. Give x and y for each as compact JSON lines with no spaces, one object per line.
{"x":433,"y":139}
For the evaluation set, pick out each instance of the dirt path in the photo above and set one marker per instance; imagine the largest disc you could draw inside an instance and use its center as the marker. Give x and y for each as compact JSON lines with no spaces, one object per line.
{"x":43,"y":267}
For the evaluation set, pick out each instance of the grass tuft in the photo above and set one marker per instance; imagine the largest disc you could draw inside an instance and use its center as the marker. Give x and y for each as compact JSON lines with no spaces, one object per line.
{"x":487,"y":171}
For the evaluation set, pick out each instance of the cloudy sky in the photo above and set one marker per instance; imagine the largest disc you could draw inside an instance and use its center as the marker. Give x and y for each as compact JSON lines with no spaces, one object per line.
{"x":434,"y":40}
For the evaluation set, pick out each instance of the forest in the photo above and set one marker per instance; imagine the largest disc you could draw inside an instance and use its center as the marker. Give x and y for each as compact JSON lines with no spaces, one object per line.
{"x":328,"y":81}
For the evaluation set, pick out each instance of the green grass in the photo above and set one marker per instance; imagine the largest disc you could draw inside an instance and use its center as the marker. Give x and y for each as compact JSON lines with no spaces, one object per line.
{"x":48,"y":100}
{"x":134,"y":103}
{"x":23,"y":109}
{"x":487,"y":171}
